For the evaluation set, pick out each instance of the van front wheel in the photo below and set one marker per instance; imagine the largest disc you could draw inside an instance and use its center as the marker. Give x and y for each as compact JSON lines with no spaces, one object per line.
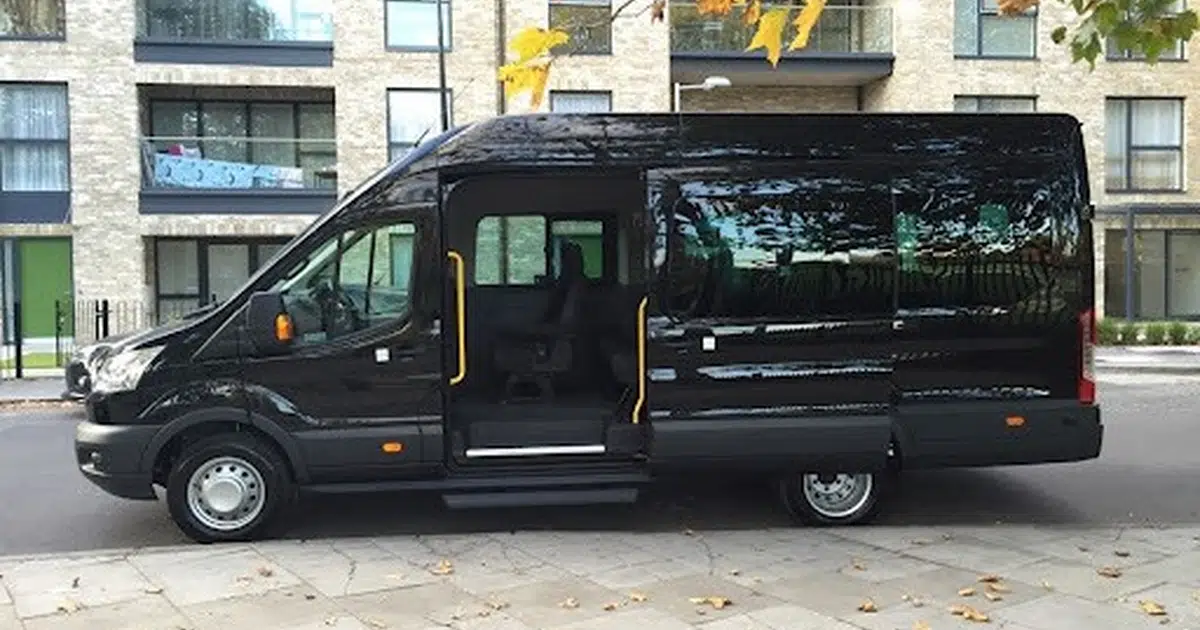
{"x":831,"y":498}
{"x":227,"y":487}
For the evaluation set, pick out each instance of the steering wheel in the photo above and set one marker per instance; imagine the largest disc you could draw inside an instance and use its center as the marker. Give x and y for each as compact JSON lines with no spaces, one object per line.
{"x":339,"y":313}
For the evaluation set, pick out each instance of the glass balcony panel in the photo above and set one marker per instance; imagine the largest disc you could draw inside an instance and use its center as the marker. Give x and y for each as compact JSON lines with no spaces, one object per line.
{"x":239,"y":163}
{"x":237,"y":20}
{"x":842,"y":29}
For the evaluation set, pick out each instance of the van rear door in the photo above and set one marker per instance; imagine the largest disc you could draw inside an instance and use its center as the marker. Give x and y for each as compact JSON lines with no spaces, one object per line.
{"x":772,"y":313}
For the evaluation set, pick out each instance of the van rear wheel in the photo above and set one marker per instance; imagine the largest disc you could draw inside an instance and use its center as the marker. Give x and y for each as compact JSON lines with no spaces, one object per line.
{"x":832,"y":498}
{"x":227,"y":487}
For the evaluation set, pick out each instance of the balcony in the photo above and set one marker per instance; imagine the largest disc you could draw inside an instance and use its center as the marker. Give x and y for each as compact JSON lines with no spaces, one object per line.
{"x":237,"y":175}
{"x":851,"y":45}
{"x":292,"y":33}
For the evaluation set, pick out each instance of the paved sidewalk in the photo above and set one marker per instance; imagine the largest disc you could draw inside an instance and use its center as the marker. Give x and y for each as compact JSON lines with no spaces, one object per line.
{"x":1150,"y":359}
{"x":1045,"y":578}
{"x":31,"y":389}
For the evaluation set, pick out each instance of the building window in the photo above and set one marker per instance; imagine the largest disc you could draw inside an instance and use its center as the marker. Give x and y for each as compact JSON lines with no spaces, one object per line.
{"x":32,"y":19}
{"x":240,"y":144}
{"x":1144,"y":144}
{"x":580,"y":102}
{"x":190,"y":273}
{"x":1162,"y":283}
{"x":1114,"y":52}
{"x":588,"y":22}
{"x":34,"y":153}
{"x":237,"y":20}
{"x":412,"y":24}
{"x":414,"y":115}
{"x":980,"y":31}
{"x":995,"y":103}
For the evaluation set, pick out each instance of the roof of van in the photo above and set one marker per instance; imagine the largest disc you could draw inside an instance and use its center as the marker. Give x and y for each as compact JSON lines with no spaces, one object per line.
{"x":665,"y":138}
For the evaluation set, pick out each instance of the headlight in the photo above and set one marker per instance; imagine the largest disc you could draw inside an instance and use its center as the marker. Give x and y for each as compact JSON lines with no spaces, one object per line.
{"x":122,"y":371}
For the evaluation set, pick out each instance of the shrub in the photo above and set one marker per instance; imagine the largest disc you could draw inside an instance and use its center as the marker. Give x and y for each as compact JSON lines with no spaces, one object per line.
{"x":1156,"y":333}
{"x":1108,"y":332}
{"x":1130,"y":331}
{"x":1179,"y":333}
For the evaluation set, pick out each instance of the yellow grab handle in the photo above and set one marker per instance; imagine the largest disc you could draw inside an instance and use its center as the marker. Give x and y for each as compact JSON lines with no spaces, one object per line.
{"x":460,"y":289}
{"x":641,"y":360}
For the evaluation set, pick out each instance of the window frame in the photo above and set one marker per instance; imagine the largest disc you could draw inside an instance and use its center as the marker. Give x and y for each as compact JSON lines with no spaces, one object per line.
{"x":609,"y":50}
{"x":64,"y":142}
{"x":298,"y":151}
{"x":60,"y":36}
{"x":607,"y":94}
{"x":981,"y":11}
{"x":447,"y":25}
{"x":1113,"y":53}
{"x":255,"y":261}
{"x":392,"y":145}
{"x":1129,"y":148}
{"x":979,"y":98}
{"x":144,"y":8}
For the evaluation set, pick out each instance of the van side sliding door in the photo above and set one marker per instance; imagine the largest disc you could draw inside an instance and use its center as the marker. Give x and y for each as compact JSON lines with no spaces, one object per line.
{"x":770,"y":320}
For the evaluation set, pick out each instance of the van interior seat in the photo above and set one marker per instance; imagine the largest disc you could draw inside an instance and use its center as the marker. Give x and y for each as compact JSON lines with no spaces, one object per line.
{"x":534,"y":354}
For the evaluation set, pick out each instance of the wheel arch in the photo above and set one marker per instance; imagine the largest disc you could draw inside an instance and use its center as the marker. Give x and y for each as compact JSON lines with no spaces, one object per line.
{"x":168,"y":442}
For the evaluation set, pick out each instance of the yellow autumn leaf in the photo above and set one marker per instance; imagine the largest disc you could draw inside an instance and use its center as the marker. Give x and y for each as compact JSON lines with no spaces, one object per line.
{"x":992,"y":597}
{"x":752,"y":12}
{"x":530,"y":78}
{"x":1152,"y":608}
{"x":714,"y":7}
{"x":966,"y":592}
{"x":868,"y":606}
{"x":805,"y":21}
{"x":532,"y":42}
{"x":716,"y":601}
{"x":445,"y":567}
{"x":921,"y":625}
{"x":1109,"y":572}
{"x":770,"y":34}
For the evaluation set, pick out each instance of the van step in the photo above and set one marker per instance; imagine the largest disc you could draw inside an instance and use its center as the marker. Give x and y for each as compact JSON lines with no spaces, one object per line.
{"x":539,"y":498}
{"x":537,"y":451}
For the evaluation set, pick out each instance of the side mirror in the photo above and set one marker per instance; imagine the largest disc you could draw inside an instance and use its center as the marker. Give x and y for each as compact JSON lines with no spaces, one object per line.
{"x":268,"y":325}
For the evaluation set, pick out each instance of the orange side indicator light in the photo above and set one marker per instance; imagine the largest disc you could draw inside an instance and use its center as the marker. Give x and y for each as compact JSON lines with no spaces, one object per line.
{"x":283,"y":327}
{"x":393,"y":447}
{"x":1014,"y":421}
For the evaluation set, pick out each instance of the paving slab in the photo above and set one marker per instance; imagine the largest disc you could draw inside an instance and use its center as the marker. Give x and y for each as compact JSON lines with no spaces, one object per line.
{"x":42,"y":587}
{"x":146,"y":613}
{"x":281,"y":609}
{"x":8,"y":618}
{"x":1060,"y":611}
{"x":212,"y":573}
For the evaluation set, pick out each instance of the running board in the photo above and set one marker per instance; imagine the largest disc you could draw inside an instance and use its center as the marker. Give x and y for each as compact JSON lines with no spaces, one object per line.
{"x":539,"y":498}
{"x":536,"y":451}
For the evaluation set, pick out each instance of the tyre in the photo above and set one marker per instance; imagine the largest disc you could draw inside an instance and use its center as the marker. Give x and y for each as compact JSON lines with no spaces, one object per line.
{"x":227,"y":487}
{"x":825,"y":499}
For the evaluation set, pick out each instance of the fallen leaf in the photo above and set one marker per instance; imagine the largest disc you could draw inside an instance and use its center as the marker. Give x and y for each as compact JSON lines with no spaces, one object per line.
{"x":1151,"y":607}
{"x":989,"y":578}
{"x":1109,"y":572}
{"x":153,"y":590}
{"x":688,"y":532}
{"x":638,"y":597}
{"x":331,"y":621}
{"x":610,"y":606}
{"x":921,"y":542}
{"x":69,"y":607}
{"x":921,"y":625}
{"x":735,"y":572}
{"x":1121,"y":553}
{"x":1048,"y":586}
{"x":992,"y":597}
{"x":265,"y":571}
{"x":658,"y":11}
{"x":805,"y":21}
{"x":445,"y":567}
{"x":309,"y":596}
{"x":996,"y":587}
{"x":496,"y":604}
{"x":858,"y":565}
{"x":75,"y":582}
{"x":969,"y":613}
{"x":1083,"y":548}
{"x":716,"y":601}
{"x":569,"y":602}
{"x":770,"y":33}
{"x":868,"y":606}
{"x":966,"y":592}
{"x":375,"y":623}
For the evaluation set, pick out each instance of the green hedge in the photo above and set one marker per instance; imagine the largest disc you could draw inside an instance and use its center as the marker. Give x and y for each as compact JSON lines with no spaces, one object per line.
{"x":1119,"y":332}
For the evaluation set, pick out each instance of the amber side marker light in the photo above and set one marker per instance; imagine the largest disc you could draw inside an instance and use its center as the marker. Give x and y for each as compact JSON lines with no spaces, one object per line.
{"x":283,"y":327}
{"x":392,"y":447}
{"x":1014,"y":421}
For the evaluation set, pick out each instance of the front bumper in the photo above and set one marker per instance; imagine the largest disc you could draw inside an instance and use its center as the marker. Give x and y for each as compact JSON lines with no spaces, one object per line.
{"x":110,"y":457}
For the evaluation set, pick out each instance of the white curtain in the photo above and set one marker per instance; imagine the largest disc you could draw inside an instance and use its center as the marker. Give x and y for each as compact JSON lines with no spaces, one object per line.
{"x":1157,"y":135}
{"x":33,"y":133}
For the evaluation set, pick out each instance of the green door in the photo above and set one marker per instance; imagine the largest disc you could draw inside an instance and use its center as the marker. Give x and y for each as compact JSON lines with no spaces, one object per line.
{"x":45,"y":268}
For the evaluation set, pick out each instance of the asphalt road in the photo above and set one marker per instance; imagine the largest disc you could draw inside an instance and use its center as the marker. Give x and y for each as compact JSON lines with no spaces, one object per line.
{"x":1148,"y":473}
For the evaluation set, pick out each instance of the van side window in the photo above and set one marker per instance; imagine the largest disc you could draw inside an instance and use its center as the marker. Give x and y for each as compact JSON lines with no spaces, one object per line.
{"x":779,"y":247}
{"x":357,"y":280}
{"x":963,"y":244}
{"x":510,"y":250}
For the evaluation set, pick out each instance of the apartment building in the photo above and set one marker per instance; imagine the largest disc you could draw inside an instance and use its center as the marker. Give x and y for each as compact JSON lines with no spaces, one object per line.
{"x":153,"y":153}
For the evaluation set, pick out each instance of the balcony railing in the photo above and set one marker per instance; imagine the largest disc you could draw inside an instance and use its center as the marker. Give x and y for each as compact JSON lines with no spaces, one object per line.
{"x":235,"y":20}
{"x":238,"y":163}
{"x":840,"y":30}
